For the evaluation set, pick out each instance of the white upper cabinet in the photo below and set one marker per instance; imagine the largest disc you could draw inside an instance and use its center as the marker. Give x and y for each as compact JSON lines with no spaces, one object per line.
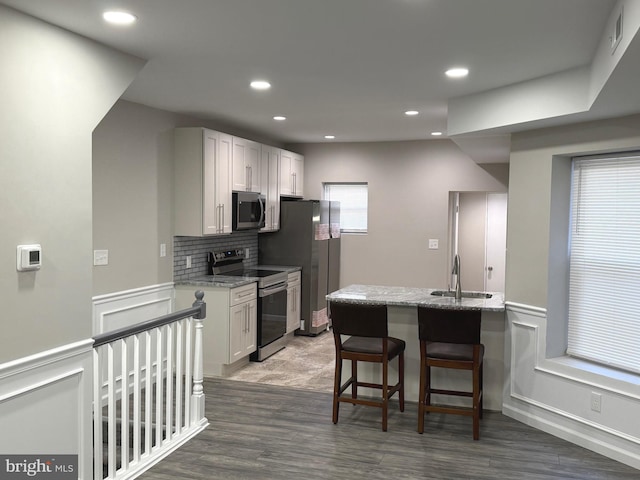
{"x":270,"y":187}
{"x":246,"y":165}
{"x":202,"y":182}
{"x":291,"y":174}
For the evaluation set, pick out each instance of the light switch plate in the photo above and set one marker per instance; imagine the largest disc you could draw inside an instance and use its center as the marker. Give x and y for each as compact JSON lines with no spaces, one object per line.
{"x":163,"y":249}
{"x":101,"y":257}
{"x":433,"y":244}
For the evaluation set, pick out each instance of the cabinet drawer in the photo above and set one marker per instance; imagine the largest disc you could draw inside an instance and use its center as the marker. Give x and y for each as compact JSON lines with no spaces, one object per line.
{"x":243,"y":294}
{"x":293,"y":278}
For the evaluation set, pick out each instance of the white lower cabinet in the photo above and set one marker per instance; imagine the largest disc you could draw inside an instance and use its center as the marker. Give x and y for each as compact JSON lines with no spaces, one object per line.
{"x":242,"y":330}
{"x":293,"y":302}
{"x":230,"y":328}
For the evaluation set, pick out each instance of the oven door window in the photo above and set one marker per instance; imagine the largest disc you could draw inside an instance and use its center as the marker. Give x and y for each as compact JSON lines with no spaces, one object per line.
{"x":272,"y":321}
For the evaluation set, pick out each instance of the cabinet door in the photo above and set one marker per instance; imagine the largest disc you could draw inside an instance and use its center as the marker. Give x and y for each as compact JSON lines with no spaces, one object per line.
{"x":297,"y":171}
{"x":211,"y":214}
{"x":270,"y":187}
{"x":254,"y":151}
{"x":293,"y":302}
{"x":291,"y":174}
{"x":246,"y":165}
{"x":238,"y":326}
{"x":286,"y":180}
{"x":251,"y":334}
{"x":223,"y":184}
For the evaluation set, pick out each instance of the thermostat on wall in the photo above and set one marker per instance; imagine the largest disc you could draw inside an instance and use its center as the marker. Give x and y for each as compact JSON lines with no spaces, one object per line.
{"x":29,"y":257}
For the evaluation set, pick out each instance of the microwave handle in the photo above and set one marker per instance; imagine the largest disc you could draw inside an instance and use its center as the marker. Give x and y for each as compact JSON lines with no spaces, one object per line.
{"x":261,"y":210}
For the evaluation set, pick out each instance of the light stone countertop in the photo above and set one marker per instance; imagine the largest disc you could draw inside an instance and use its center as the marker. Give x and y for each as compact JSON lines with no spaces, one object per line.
{"x":412,"y":296}
{"x":226,"y":281}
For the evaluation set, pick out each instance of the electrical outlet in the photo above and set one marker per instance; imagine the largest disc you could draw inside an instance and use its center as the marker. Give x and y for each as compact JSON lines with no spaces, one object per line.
{"x":188,"y":261}
{"x":433,"y":244}
{"x":596,"y":402}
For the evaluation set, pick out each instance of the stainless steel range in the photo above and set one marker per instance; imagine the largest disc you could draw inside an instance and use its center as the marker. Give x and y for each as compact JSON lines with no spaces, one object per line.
{"x":272,"y":298}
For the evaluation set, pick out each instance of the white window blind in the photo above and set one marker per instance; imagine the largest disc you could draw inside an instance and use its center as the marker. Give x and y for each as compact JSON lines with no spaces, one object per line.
{"x":604,"y":293}
{"x":353,"y":198}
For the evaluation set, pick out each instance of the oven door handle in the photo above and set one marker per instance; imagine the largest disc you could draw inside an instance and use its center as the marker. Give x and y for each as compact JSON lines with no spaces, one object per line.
{"x":264,"y":292}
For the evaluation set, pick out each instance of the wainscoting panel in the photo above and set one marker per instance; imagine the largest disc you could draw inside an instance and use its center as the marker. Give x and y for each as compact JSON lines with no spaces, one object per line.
{"x":46,"y":405}
{"x":126,"y":308}
{"x":554,"y":396}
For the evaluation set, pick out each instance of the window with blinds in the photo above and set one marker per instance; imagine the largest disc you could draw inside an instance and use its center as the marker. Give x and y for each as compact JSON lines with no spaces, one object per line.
{"x":353,"y":198}
{"x":604,"y":290}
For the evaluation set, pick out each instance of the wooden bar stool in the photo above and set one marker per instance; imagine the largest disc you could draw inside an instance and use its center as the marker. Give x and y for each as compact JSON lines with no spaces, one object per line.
{"x":450,"y":339}
{"x":369,"y":341}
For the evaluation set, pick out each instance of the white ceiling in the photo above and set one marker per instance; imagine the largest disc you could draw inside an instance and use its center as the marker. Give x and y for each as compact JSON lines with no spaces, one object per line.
{"x":343,"y":67}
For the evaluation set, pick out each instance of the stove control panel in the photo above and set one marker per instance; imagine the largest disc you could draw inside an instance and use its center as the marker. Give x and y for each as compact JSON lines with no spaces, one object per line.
{"x":228,"y":255}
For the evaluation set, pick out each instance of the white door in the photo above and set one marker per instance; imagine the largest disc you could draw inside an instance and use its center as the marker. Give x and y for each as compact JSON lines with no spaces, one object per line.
{"x":496,"y":242}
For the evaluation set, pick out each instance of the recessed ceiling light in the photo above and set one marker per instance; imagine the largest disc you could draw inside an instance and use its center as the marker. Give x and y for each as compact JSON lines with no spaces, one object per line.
{"x":119,"y":18}
{"x":260,"y":85}
{"x":436,"y":134}
{"x":411,"y":112}
{"x":329,"y":137}
{"x":457,"y":72}
{"x":279,"y":118}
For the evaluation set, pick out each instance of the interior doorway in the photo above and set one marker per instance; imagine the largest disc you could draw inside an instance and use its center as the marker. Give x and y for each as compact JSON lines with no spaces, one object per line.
{"x":479,"y":235}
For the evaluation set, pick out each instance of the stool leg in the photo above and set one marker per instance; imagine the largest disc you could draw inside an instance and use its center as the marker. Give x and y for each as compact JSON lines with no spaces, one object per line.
{"x":354,"y":378}
{"x":422,"y":391}
{"x":481,"y":390}
{"x":401,"y":379}
{"x":385,"y":393}
{"x":337,"y":383}
{"x":476,"y":403}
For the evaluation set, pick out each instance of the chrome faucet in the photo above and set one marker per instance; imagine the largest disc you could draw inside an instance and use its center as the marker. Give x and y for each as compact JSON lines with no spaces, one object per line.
{"x":456,"y":271}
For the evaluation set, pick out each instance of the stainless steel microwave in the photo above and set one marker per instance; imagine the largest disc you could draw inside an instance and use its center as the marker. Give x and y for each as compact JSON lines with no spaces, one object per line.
{"x":248,"y":210}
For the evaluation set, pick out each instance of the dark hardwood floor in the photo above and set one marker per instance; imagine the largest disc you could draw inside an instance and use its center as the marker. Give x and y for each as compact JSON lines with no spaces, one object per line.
{"x":260,"y":431}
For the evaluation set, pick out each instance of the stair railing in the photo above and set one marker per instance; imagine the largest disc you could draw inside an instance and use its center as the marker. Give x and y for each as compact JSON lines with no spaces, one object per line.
{"x":148,"y":392}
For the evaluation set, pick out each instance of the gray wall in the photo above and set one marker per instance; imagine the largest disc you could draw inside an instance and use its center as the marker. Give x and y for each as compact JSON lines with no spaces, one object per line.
{"x":54,"y":89}
{"x":132,"y":193}
{"x":409,"y":185}
{"x":538,"y":183}
{"x":548,"y":390}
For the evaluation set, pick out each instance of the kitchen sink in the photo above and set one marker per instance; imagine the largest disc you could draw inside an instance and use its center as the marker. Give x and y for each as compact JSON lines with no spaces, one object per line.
{"x":451,"y":293}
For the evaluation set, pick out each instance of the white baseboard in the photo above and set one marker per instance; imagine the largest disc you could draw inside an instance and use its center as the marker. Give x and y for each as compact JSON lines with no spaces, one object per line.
{"x":554,"y":426}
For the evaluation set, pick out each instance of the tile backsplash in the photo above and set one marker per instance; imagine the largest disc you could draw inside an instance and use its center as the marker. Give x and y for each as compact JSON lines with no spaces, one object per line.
{"x":197,"y":248}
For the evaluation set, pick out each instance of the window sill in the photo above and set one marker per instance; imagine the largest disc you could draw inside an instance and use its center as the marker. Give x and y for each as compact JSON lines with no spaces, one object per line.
{"x":596,"y":375}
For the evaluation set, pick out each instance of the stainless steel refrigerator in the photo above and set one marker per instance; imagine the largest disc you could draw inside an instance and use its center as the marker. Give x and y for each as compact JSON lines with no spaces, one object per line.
{"x":309,"y":237}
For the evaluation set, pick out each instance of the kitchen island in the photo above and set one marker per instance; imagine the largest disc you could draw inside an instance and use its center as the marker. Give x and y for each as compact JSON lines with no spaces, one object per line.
{"x":402,"y":303}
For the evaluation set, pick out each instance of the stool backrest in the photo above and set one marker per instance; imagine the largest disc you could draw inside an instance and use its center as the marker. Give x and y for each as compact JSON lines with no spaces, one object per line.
{"x":449,"y":326}
{"x":359,"y":320}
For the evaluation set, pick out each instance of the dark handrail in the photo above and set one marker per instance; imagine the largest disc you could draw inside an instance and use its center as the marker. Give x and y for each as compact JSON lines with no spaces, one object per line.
{"x":198,"y":311}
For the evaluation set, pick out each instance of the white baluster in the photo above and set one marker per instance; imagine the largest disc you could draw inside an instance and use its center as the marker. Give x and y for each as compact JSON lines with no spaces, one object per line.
{"x":178,"y":376}
{"x":159,"y":387}
{"x":197,"y":398}
{"x":137,"y":399}
{"x":124,"y":406}
{"x":169,"y":382}
{"x":97,"y":414}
